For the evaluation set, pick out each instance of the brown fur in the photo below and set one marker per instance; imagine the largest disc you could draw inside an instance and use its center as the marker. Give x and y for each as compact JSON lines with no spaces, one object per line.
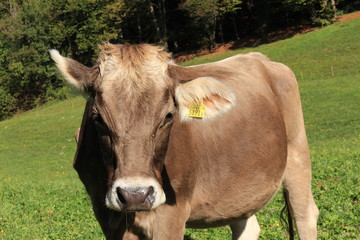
{"x":213,"y":172}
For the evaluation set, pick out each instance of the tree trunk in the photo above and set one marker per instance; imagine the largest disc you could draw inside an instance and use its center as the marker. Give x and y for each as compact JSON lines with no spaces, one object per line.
{"x":250,"y":5}
{"x":333,"y":7}
{"x":139,"y":29}
{"x":120,"y":35}
{"x":324,"y":4}
{"x":163,"y":40}
{"x":155,"y":22}
{"x":212,"y":33}
{"x":235,"y":27}
{"x":261,"y":10}
{"x":221,"y":31}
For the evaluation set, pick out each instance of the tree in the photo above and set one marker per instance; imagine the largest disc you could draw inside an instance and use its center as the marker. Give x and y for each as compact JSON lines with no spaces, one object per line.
{"x":25,"y":36}
{"x":208,"y":13}
{"x":29,"y":28}
{"x":330,"y":6}
{"x":321,"y":12}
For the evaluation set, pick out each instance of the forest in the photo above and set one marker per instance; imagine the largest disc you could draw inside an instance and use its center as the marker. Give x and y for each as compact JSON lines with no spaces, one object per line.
{"x":29,"y":28}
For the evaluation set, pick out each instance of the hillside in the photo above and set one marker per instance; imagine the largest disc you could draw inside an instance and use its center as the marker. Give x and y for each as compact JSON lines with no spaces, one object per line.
{"x":41,"y":196}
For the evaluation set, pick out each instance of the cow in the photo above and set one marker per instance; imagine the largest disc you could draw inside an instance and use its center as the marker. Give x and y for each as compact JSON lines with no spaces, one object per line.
{"x":164,"y":147}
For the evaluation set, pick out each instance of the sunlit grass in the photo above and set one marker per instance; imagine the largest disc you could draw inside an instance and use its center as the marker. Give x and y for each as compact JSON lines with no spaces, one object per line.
{"x":41,"y":196}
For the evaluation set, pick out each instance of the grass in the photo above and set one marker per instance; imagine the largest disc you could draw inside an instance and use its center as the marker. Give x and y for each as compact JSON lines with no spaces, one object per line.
{"x":42,"y":198}
{"x":40,"y":194}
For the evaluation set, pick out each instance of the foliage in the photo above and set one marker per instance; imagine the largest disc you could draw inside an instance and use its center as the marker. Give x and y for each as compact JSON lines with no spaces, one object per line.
{"x":27,"y":73}
{"x":208,"y":13}
{"x":348,"y":6}
{"x":29,"y":28}
{"x":41,"y":196}
{"x":7,"y":104}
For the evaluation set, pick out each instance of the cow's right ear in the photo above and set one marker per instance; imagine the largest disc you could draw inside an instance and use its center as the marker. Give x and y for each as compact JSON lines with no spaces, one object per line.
{"x":75,"y":73}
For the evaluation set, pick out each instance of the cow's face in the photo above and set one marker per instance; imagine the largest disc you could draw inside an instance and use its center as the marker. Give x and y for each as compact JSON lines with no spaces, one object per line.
{"x":136,"y":102}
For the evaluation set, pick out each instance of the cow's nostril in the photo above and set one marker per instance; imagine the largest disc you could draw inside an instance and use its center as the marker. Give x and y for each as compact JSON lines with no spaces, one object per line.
{"x":149,"y":199}
{"x":150,"y":191}
{"x":120,"y":195}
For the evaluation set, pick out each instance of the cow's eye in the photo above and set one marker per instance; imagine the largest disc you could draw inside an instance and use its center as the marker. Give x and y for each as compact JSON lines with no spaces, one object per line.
{"x":167,"y":119}
{"x":98,"y":119}
{"x":99,"y":123}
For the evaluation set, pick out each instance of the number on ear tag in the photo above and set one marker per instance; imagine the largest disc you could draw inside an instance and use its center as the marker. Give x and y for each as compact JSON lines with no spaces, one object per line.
{"x":197,"y":110}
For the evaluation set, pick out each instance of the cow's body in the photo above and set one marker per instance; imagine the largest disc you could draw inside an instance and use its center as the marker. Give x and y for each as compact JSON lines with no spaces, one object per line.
{"x":208,"y":173}
{"x":227,"y":163}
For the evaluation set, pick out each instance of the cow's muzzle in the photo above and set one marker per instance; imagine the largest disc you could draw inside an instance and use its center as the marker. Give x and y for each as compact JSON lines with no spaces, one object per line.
{"x":140,"y":198}
{"x":135,"y":194}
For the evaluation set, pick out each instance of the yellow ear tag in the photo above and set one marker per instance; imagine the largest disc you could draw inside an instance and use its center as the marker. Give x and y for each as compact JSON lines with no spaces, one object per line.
{"x":196,"y":110}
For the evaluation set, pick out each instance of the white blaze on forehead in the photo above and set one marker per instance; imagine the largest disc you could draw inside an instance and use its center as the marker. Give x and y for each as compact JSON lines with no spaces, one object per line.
{"x":133,"y":67}
{"x":112,"y":200}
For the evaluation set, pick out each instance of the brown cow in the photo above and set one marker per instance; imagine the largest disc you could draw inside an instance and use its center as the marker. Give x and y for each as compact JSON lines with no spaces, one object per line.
{"x":164,"y":147}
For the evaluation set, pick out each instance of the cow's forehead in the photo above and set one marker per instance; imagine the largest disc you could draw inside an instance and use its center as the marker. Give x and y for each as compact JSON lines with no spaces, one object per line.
{"x":133,"y":84}
{"x":132,"y":69}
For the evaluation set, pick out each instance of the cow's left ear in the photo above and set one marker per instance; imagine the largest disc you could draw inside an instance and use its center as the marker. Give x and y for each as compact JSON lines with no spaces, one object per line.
{"x":204,"y":98}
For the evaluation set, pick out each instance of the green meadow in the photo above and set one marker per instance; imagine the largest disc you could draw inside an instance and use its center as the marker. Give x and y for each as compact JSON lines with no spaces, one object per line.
{"x":42,"y":198}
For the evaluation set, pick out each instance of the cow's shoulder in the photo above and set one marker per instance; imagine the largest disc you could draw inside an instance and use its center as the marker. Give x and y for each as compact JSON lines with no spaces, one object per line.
{"x":248,"y":57}
{"x":281,"y":76}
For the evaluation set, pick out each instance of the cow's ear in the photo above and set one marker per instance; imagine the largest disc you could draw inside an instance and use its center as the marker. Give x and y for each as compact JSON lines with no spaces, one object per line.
{"x":75,"y":73}
{"x":204,"y":98}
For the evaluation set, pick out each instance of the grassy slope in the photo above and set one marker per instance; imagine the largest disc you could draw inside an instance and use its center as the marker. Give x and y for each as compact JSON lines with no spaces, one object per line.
{"x":42,"y":198}
{"x":40,"y":194}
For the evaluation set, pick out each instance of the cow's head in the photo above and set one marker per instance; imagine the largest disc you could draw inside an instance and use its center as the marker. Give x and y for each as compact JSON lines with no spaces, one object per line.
{"x":138,"y":94}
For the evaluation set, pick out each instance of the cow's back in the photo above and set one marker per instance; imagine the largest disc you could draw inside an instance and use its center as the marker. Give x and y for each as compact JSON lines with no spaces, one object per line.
{"x":231,"y":166}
